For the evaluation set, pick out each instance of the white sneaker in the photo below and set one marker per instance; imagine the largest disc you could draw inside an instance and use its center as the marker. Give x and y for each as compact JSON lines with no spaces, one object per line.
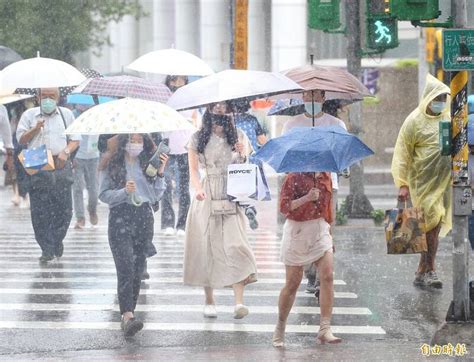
{"x":180,"y":233}
{"x":240,"y":311}
{"x":169,"y":232}
{"x":210,"y":311}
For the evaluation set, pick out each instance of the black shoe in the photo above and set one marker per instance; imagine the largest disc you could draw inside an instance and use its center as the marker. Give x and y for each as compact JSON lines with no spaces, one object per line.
{"x":131,"y":327}
{"x":45,"y":258}
{"x":145,"y":275}
{"x":251,"y":214}
{"x":59,"y":250}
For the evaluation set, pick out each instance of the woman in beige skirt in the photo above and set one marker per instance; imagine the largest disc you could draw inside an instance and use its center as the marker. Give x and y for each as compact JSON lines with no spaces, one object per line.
{"x":217,"y":252}
{"x":306,"y":201}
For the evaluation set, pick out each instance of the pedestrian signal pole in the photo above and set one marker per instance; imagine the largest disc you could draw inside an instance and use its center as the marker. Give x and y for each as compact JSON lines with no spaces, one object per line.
{"x":460,"y":306}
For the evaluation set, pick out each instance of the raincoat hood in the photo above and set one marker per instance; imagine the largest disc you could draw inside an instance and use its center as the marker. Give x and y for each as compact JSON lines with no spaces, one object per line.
{"x":433,"y":89}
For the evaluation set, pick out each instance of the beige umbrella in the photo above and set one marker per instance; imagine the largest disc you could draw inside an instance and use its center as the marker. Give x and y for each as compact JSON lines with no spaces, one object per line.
{"x":337,"y":82}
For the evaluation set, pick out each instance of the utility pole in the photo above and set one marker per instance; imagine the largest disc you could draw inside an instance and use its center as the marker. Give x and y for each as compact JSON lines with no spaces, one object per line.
{"x":358,"y":205}
{"x":460,"y":306}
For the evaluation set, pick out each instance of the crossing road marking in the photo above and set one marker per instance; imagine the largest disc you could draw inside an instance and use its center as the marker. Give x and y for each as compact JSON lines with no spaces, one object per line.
{"x":154,"y":280}
{"x":173,"y":308}
{"x":160,"y":292}
{"x":209,"y":326}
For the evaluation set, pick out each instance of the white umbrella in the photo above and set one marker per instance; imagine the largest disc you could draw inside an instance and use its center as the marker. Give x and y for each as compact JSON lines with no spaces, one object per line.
{"x":128,"y":115}
{"x":231,"y":85}
{"x":40,"y":73}
{"x":172,"y":62}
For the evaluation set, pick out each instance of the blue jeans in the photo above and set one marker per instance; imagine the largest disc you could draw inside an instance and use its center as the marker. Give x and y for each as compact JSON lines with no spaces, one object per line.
{"x":85,"y":171}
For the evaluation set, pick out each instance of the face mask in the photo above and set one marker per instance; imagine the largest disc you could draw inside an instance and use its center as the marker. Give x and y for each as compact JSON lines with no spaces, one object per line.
{"x":437,"y":107}
{"x":48,"y":105}
{"x":134,"y":149}
{"x":308,"y":106}
{"x":220,"y":119}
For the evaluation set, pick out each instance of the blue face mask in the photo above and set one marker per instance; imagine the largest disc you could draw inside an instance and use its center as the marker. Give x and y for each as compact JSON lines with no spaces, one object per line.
{"x":308,"y":106}
{"x":48,"y":105}
{"x":437,"y":107}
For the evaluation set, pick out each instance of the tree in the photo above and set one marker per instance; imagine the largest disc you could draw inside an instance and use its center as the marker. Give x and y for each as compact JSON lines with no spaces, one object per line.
{"x":60,"y":28}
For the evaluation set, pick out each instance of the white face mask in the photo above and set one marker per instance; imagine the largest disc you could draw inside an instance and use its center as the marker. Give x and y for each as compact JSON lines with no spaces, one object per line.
{"x":134,"y":149}
{"x":308,"y":106}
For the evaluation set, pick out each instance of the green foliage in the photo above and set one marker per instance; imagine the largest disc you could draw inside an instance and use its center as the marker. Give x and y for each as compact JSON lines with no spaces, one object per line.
{"x":60,"y":28}
{"x":378,"y":216}
{"x":371,"y":101}
{"x":406,"y":63}
{"x":341,"y":214}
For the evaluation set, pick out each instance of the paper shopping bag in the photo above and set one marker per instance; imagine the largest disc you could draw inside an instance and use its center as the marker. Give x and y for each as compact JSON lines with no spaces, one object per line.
{"x":241,"y":181}
{"x":405,"y":231}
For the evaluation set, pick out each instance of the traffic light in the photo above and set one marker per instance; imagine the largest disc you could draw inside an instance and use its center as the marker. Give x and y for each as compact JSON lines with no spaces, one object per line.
{"x":415,"y":9}
{"x":323,"y":14}
{"x":382,"y":26}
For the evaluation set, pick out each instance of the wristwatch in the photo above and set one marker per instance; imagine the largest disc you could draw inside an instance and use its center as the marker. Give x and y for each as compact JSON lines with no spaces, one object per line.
{"x":67,"y":152}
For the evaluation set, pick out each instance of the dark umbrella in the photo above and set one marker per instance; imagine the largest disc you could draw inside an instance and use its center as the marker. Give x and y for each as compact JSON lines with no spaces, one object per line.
{"x":8,"y":56}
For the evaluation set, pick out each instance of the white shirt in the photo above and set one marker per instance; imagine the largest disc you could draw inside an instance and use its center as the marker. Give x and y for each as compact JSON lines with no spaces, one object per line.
{"x":5,"y":129}
{"x":179,"y":139}
{"x":52,"y":134}
{"x":321,"y":121}
{"x":303,"y":121}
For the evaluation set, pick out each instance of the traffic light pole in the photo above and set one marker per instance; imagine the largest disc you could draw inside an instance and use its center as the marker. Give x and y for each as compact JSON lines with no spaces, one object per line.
{"x":358,"y":205}
{"x":460,"y":306}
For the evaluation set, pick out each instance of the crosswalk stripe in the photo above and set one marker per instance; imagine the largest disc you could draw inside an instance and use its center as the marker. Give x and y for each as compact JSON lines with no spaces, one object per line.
{"x":160,"y":292}
{"x":108,"y":258}
{"x":212,"y":327}
{"x":174,"y":308}
{"x":108,"y":253}
{"x":151,"y":261}
{"x":154,"y":280}
{"x":89,"y":270}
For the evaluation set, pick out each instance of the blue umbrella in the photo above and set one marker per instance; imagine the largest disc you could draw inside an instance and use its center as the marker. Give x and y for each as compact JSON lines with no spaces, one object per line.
{"x":86,"y":99}
{"x":286,"y":107}
{"x":313,"y":149}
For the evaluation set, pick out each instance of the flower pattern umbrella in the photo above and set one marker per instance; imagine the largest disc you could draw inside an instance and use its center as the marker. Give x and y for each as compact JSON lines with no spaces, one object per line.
{"x":125,"y":86}
{"x":128,"y":115}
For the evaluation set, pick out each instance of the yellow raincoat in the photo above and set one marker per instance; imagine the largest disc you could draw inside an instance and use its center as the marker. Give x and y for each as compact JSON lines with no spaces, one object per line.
{"x":418,"y":164}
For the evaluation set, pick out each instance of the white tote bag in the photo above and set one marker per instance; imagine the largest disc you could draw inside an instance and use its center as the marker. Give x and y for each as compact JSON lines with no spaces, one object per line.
{"x":246,"y":182}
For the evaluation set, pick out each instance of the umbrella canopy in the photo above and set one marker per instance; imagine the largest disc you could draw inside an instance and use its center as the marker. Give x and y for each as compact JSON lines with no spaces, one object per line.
{"x":287,"y":107}
{"x":8,"y":56}
{"x":125,"y":86}
{"x":231,"y":85}
{"x":6,"y":99}
{"x":40,"y":73}
{"x":172,"y":62}
{"x":128,"y":115}
{"x":63,"y":91}
{"x":338,"y":82}
{"x":313,"y":149}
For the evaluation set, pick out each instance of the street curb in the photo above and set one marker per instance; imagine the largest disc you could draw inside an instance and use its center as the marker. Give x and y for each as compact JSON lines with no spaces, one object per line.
{"x":454,"y":333}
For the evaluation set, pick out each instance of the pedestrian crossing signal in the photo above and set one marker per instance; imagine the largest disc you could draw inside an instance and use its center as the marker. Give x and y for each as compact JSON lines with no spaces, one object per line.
{"x":382,"y":32}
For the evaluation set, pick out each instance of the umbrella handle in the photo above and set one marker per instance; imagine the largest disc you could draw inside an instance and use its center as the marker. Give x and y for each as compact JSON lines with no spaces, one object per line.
{"x":135,"y":199}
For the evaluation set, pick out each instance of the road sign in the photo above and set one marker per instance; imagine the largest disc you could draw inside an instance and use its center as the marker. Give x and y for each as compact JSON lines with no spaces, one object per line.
{"x":458,"y":49}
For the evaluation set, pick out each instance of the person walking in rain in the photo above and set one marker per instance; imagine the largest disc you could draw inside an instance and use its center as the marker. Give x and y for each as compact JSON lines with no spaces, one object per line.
{"x":85,"y":171}
{"x":313,"y":104}
{"x":423,"y":175}
{"x":306,"y":201}
{"x":50,"y":191}
{"x":177,"y":170}
{"x":131,"y":193}
{"x":217,"y":252}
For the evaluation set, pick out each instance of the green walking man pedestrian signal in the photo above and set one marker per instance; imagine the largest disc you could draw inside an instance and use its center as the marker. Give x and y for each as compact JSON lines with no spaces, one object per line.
{"x":383,"y":32}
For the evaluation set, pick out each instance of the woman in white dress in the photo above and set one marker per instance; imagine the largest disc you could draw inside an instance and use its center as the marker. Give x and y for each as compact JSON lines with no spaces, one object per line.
{"x":217,"y":252}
